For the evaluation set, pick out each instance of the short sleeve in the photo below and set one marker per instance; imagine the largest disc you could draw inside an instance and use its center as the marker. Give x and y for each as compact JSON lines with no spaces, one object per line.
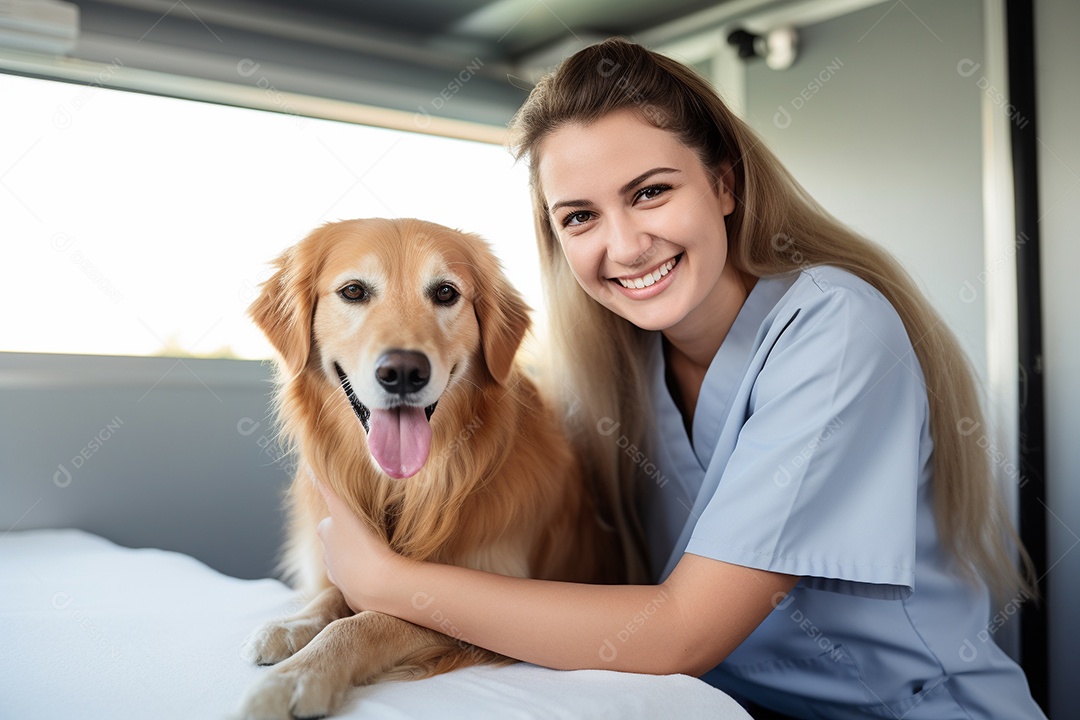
{"x":824,"y":477}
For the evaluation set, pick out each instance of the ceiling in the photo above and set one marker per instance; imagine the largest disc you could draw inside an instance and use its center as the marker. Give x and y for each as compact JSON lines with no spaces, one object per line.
{"x":470,"y":60}
{"x":513,"y":28}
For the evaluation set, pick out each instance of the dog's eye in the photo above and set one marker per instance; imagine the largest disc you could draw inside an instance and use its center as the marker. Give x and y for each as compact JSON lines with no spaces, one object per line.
{"x":446,"y":294}
{"x":354,"y":292}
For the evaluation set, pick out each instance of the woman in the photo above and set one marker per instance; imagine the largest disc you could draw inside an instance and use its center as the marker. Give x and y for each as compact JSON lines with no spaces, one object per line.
{"x":822,"y":527}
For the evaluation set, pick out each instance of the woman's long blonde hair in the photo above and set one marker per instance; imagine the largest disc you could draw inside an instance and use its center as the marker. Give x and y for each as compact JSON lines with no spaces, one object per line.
{"x":776,"y":228}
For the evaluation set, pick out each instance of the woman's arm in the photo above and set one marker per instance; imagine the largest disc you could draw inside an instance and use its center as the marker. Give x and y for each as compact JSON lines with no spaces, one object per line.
{"x":687,"y":624}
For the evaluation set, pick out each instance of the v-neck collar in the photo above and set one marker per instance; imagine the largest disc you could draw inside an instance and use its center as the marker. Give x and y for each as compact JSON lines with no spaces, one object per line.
{"x":722,"y":378}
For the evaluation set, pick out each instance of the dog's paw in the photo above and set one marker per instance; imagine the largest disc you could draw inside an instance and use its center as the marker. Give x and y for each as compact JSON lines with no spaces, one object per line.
{"x":280,"y":639}
{"x":292,"y":694}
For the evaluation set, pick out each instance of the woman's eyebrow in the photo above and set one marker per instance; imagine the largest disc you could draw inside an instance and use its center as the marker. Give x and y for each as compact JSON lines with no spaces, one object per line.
{"x":622,"y":191}
{"x":570,"y":203}
{"x":643,"y":177}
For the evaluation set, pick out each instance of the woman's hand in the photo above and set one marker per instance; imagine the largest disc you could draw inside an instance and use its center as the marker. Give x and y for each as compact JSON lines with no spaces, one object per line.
{"x":357,"y":560}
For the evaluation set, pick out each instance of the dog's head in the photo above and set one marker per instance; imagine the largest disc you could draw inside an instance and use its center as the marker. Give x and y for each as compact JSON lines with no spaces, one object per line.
{"x":396,"y":312}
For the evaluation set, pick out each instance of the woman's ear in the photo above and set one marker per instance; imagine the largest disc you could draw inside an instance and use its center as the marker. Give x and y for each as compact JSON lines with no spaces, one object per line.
{"x":284,"y":309}
{"x":725,"y":187}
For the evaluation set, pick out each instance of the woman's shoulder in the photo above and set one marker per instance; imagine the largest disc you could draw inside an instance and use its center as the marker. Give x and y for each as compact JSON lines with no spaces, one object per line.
{"x":834,"y":283}
{"x":815,"y":289}
{"x":828,"y":301}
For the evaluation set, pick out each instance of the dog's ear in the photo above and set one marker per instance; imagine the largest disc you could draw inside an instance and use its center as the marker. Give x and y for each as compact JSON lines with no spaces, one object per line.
{"x":284,"y":309}
{"x":503,"y":316}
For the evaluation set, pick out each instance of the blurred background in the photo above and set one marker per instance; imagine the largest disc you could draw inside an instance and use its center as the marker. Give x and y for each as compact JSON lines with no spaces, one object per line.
{"x":157,"y":154}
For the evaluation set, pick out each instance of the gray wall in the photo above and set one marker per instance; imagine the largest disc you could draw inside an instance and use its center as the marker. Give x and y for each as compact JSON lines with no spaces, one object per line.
{"x":148,"y":452}
{"x":883,"y":131}
{"x":1057,"y":23}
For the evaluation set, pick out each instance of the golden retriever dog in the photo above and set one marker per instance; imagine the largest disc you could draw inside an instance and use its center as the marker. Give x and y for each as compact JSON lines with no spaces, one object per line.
{"x":398,"y":387}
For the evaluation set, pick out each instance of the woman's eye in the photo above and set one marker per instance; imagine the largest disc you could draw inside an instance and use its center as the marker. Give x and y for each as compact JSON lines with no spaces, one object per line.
{"x":446,"y":294}
{"x":354,"y":292}
{"x":579,"y":218}
{"x":651,"y":192}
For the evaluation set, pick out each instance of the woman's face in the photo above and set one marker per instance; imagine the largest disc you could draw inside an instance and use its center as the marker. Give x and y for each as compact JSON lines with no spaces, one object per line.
{"x":640,"y":220}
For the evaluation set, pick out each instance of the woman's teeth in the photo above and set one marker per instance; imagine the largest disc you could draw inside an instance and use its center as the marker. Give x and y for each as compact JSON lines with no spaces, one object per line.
{"x":647,"y":280}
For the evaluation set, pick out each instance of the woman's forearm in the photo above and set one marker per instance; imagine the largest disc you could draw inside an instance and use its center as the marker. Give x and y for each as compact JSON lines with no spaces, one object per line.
{"x":654,"y":629}
{"x":688,"y":624}
{"x":555,"y":624}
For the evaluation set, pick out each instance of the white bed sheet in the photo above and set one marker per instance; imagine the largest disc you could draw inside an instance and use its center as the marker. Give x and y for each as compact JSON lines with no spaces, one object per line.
{"x":90,"y":629}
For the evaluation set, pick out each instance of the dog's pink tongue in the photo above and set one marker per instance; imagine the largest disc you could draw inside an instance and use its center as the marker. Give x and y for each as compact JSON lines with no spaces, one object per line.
{"x":400,"y":439}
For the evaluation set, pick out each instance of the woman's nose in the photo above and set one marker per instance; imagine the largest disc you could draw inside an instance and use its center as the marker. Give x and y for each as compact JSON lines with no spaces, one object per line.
{"x":627,"y":244}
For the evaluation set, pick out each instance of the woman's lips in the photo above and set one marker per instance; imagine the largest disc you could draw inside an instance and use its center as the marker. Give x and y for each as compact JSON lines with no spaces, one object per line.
{"x":660,"y":277}
{"x":653,"y":276}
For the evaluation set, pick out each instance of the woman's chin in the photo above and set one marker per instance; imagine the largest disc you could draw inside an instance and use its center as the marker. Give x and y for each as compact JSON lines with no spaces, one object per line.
{"x":652,"y":321}
{"x":657,"y":313}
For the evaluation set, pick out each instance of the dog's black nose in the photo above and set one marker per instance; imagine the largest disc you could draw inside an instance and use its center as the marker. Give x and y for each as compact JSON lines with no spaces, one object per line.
{"x":403,"y":371}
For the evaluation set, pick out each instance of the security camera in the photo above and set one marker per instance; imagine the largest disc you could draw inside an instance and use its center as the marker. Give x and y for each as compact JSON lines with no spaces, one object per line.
{"x":778,"y":46}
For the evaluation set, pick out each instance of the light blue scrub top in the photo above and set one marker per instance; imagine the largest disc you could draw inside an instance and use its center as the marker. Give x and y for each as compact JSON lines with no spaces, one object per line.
{"x":811,"y":456}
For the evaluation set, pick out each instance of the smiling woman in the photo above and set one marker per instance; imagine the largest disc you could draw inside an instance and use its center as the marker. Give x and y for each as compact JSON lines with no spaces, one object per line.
{"x":139,"y":225}
{"x":608,"y":234}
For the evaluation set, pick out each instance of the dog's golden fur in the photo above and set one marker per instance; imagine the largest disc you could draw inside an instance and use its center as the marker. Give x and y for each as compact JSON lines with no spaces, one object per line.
{"x":500,"y":491}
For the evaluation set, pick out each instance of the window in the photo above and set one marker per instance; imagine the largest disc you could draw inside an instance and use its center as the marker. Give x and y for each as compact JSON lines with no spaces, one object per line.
{"x":134,"y":224}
